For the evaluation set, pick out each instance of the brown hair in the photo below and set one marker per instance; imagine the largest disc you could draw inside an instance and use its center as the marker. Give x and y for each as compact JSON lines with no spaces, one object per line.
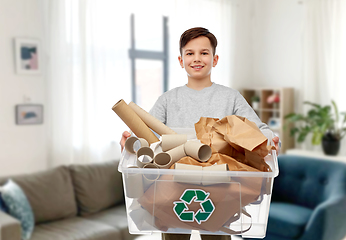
{"x":193,"y":33}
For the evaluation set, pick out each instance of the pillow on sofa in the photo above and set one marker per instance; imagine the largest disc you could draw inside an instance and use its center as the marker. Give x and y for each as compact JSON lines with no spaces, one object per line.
{"x":97,"y":186}
{"x":50,"y":193}
{"x":2,"y":205}
{"x":19,"y":207}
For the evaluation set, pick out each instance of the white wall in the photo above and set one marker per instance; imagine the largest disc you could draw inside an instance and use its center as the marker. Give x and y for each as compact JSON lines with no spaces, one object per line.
{"x":23,"y":148}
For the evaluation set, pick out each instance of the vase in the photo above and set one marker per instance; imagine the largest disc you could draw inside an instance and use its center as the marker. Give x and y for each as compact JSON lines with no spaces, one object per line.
{"x":330,"y":145}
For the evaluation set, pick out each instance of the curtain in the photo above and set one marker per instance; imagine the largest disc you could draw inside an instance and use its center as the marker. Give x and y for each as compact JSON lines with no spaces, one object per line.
{"x":324,"y":53}
{"x":87,"y":44}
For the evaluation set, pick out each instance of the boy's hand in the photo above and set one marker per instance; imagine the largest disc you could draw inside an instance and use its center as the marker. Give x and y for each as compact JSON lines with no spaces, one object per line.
{"x":276,"y":141}
{"x":124,"y":137}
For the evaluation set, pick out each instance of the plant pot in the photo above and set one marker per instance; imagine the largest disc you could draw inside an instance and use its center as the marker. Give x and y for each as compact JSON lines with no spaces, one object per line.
{"x":255,"y":105}
{"x":330,"y":145}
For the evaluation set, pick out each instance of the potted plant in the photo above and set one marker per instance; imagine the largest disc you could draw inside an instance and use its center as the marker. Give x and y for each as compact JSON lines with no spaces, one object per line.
{"x":255,"y":101}
{"x":325,"y":127}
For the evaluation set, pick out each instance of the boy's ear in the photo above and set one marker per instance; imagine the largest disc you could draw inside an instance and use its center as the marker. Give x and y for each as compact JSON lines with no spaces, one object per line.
{"x":215,"y":60}
{"x":181,"y":61}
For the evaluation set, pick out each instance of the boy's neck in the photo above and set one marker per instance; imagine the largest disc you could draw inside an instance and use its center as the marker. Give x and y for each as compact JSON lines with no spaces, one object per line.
{"x":198,"y":84}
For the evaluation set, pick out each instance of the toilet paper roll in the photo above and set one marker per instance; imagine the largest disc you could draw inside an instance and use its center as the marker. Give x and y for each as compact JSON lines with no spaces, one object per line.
{"x":151,"y":121}
{"x":149,"y":178}
{"x":163,"y":160}
{"x":134,"y":122}
{"x":209,"y":179}
{"x":188,"y":178}
{"x":130,"y":142}
{"x":170,"y":141}
{"x":134,"y":184}
{"x":197,"y":150}
{"x":177,"y":153}
{"x":144,"y":155}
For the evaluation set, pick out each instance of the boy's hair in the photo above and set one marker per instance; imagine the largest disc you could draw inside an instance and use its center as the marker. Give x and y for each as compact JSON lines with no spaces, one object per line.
{"x":196,"y":32}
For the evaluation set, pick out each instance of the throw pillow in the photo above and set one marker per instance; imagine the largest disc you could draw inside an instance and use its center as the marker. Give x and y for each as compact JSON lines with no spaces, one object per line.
{"x":19,"y":207}
{"x":2,"y":205}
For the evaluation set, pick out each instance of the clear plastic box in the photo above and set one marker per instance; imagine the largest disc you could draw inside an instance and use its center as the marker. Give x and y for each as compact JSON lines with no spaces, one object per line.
{"x":209,"y":202}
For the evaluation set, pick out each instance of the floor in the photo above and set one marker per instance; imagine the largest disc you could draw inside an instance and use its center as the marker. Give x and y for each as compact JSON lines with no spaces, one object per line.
{"x":156,"y":236}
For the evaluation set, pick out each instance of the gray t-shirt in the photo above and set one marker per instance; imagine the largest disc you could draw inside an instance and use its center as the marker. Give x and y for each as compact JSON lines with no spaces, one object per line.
{"x":182,"y":107}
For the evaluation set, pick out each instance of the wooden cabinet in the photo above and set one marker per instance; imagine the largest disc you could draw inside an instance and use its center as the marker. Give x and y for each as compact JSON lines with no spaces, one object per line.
{"x":273,"y":113}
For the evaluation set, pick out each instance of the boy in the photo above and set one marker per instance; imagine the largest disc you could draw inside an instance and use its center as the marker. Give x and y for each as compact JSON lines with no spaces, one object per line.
{"x":200,"y":97}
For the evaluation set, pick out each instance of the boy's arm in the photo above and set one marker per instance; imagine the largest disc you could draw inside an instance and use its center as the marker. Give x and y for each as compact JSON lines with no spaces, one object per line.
{"x":159,"y":109}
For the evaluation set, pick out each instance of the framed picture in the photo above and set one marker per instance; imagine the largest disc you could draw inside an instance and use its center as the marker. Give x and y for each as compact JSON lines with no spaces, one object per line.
{"x":29,"y":114}
{"x":28,"y":53}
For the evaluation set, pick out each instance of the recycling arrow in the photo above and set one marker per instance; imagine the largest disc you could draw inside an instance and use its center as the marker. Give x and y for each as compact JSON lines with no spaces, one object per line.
{"x":197,"y":195}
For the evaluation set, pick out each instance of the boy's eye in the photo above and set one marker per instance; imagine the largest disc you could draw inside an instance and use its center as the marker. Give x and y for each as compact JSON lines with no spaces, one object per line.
{"x":204,"y":53}
{"x":189,"y":53}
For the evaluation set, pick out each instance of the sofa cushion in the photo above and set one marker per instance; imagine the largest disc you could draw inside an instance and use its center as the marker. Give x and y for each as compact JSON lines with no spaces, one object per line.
{"x":50,"y":193}
{"x":18,"y":207}
{"x":287,"y":220}
{"x":115,"y":217}
{"x":97,"y":186}
{"x":75,"y":228}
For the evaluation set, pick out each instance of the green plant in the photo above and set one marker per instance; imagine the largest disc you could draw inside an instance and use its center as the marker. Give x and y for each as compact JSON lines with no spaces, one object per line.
{"x":320,"y":122}
{"x":255,"y":98}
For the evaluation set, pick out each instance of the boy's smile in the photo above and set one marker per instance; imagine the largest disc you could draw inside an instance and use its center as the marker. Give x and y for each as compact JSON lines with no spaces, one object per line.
{"x":198,"y":59}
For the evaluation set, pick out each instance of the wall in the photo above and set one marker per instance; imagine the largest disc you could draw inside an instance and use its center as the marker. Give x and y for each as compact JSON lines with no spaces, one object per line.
{"x":23,"y":148}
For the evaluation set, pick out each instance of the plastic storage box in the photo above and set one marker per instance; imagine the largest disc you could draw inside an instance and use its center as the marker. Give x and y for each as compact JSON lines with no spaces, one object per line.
{"x":210,"y":202}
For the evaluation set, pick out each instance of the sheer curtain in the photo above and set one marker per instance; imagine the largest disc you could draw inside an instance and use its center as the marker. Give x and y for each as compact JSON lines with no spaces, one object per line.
{"x":87,"y":46}
{"x":324,"y":55}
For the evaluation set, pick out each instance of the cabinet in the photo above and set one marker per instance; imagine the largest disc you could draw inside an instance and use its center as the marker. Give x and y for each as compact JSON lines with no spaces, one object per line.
{"x":273,"y":113}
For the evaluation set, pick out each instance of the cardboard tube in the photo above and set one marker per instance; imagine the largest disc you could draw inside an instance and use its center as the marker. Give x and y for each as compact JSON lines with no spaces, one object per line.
{"x":134,"y":184}
{"x":149,"y":178}
{"x":172,"y":140}
{"x":209,"y":179}
{"x":151,"y":121}
{"x":163,"y":160}
{"x":148,"y":155}
{"x":197,"y":150}
{"x":134,"y":122}
{"x":130,"y":142}
{"x":177,"y":153}
{"x":187,"y":178}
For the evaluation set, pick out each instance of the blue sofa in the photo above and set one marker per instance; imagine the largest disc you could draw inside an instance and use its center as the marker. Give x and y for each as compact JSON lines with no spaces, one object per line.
{"x":308,"y":200}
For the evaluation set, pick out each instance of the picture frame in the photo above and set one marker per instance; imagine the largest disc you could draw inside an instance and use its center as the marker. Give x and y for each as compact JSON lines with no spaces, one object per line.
{"x":29,"y":114}
{"x":27,"y":56}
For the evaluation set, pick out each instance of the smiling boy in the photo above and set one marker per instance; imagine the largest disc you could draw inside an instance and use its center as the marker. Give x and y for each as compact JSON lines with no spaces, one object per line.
{"x":183,"y":106}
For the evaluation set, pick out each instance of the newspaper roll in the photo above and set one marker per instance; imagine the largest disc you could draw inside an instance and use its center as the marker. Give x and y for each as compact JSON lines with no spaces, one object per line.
{"x":149,"y":178}
{"x":130,"y":144}
{"x":170,"y":141}
{"x":134,"y":122}
{"x":212,"y":178}
{"x":177,"y":153}
{"x":134,"y":184}
{"x":163,"y":160}
{"x":151,"y":121}
{"x":144,"y":155}
{"x":198,"y":150}
{"x":188,"y":178}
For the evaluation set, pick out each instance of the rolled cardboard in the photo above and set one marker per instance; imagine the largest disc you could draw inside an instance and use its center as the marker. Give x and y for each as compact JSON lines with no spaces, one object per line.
{"x":197,"y":150}
{"x":148,"y":156}
{"x":149,"y":178}
{"x":130,"y":144}
{"x":170,"y":141}
{"x":188,"y":178}
{"x":134,"y":122}
{"x":163,"y":160}
{"x":177,"y":153}
{"x":134,"y":184}
{"x":209,"y":179}
{"x":151,"y":121}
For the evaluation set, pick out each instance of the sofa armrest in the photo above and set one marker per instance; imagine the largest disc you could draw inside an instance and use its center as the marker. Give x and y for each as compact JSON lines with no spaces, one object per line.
{"x":328,"y":220}
{"x":10,"y":228}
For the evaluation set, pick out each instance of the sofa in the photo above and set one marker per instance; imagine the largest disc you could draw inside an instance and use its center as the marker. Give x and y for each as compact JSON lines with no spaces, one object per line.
{"x":308,"y":200}
{"x":79,"y":202}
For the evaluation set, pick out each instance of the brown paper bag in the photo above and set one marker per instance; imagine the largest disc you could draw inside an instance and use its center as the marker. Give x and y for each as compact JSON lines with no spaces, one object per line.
{"x":236,"y":137}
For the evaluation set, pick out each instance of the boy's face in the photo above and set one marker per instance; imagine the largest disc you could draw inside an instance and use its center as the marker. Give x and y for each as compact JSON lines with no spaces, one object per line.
{"x":197,"y":58}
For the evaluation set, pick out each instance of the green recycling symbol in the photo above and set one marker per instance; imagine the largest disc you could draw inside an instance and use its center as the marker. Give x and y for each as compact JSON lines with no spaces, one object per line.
{"x":197,"y":195}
